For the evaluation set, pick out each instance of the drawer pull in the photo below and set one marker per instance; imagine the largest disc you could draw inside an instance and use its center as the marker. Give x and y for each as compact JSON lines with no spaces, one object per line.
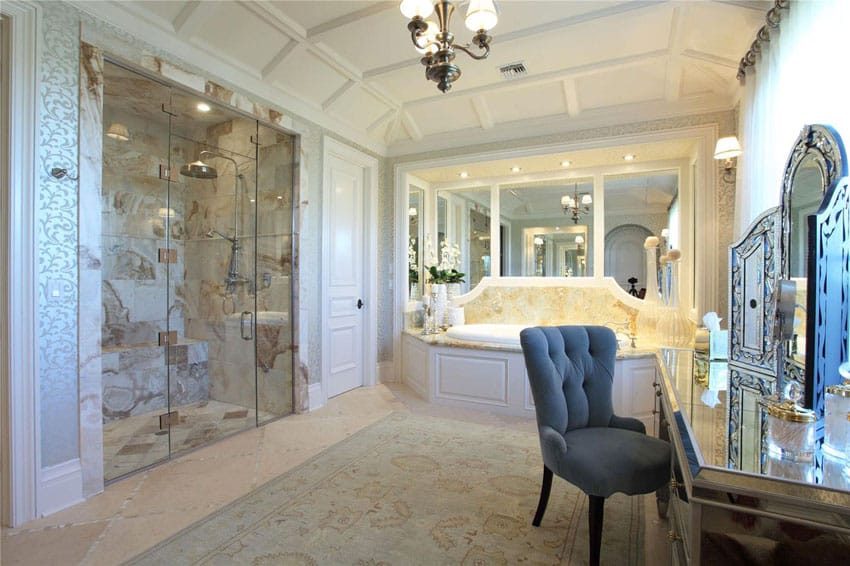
{"x":673,"y":536}
{"x":658,"y":393}
{"x":674,"y":485}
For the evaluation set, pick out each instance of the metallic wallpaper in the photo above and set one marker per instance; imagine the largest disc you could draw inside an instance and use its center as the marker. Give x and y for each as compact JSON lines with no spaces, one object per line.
{"x":57,"y":235}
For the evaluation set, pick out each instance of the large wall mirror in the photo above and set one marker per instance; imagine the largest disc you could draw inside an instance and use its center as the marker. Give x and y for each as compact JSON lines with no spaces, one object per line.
{"x":547,"y":228}
{"x":637,"y":206}
{"x":463,"y":234}
{"x":415,"y":235}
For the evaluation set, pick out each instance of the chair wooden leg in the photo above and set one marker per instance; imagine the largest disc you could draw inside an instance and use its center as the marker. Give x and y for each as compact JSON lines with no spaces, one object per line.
{"x":544,"y":496}
{"x":594,"y":516}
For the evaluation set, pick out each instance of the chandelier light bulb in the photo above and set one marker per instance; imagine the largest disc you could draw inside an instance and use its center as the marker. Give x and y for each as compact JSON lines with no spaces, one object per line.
{"x":430,"y":36}
{"x":481,"y":15}
{"x":416,"y":8}
{"x":579,"y":239}
{"x":586,"y":199}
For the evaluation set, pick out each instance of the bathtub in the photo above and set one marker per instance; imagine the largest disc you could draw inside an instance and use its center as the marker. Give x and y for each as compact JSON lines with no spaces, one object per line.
{"x":494,"y":333}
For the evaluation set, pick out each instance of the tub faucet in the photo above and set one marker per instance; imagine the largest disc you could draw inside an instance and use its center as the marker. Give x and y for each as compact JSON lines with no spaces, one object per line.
{"x":627,"y":327}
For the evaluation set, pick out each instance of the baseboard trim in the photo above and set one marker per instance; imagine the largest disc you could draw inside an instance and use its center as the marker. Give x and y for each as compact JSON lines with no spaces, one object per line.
{"x":60,"y":486}
{"x":386,"y":372}
{"x":314,"y":396}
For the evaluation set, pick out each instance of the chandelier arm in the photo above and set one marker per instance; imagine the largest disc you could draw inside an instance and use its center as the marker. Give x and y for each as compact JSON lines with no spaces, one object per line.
{"x":466,"y":49}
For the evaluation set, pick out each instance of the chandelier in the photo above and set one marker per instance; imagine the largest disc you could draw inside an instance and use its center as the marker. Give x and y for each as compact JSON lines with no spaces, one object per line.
{"x":436,"y":43}
{"x":576,"y":204}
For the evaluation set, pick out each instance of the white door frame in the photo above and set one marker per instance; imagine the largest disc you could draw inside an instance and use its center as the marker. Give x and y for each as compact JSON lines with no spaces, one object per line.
{"x":19,"y":371}
{"x":332,"y":147}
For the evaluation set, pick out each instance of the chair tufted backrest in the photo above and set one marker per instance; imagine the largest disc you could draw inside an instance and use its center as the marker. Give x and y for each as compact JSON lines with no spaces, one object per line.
{"x":571,"y":372}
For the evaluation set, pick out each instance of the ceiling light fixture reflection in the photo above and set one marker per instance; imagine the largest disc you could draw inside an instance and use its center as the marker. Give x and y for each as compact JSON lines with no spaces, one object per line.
{"x":118,"y":132}
{"x":630,"y":157}
{"x":436,"y":43}
{"x":515,"y":169}
{"x":576,"y":205}
{"x":565,"y":163}
{"x":203,"y":107}
{"x":463,"y":174}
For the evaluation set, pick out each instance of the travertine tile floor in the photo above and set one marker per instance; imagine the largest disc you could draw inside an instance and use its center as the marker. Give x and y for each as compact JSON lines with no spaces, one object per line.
{"x":135,"y":442}
{"x":140,"y":510}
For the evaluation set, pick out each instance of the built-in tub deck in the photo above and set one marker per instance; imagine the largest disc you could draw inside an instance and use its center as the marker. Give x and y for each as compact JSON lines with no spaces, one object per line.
{"x":489,"y":374}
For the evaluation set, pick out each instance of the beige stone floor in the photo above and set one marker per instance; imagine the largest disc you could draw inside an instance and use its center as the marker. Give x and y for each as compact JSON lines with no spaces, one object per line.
{"x":143,"y":509}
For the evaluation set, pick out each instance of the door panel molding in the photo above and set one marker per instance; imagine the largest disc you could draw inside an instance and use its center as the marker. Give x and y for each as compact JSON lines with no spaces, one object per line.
{"x":335,"y":151}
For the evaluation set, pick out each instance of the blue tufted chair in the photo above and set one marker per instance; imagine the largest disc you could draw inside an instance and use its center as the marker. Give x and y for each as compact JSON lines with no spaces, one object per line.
{"x":571,"y":372}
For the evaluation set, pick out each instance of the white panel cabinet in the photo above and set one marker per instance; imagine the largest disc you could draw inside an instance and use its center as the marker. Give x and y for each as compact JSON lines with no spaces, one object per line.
{"x":496,"y":380}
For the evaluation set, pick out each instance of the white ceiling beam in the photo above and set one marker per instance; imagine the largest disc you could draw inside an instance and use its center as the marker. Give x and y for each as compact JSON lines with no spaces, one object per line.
{"x":285,"y":52}
{"x":351,"y":18}
{"x":395,"y":126}
{"x":717,"y":83}
{"x":483,"y":112}
{"x":410,"y":125}
{"x":274,"y":17}
{"x":370,"y":129}
{"x":675,"y":71}
{"x":270,"y":14}
{"x":709,"y":58}
{"x":191,"y":18}
{"x":329,"y":101}
{"x":571,"y":102}
{"x":533,"y":31}
{"x":755,"y":5}
{"x":607,"y":66}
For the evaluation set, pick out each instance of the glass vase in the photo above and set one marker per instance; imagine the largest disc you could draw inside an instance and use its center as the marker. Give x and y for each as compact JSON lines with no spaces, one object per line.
{"x":677,"y":329}
{"x":440,"y":298}
{"x":648,"y":317}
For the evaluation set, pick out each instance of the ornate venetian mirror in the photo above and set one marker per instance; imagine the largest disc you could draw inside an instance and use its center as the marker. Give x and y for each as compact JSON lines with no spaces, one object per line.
{"x":815,"y":164}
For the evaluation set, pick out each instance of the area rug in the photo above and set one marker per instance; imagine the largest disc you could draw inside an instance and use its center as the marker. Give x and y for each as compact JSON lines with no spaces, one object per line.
{"x":410,"y":490}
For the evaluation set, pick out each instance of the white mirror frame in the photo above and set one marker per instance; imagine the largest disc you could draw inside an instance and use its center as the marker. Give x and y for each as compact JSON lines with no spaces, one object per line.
{"x":699,"y":282}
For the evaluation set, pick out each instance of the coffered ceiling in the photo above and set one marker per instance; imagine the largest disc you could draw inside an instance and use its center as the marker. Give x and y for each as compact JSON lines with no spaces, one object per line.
{"x":350,"y":65}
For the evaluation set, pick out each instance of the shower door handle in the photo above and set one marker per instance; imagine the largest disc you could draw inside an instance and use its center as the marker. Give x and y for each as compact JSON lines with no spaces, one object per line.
{"x":247,"y":316}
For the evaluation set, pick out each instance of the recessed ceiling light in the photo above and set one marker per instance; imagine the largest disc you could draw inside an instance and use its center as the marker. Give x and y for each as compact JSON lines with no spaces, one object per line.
{"x":565,"y":163}
{"x":203,"y":107}
{"x":463,"y":174}
{"x":252,"y":200}
{"x":630,"y":157}
{"x":279,"y":197}
{"x":515,"y":169}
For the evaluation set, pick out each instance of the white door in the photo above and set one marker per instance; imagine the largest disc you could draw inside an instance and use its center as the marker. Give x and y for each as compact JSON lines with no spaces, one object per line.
{"x":345,"y":304}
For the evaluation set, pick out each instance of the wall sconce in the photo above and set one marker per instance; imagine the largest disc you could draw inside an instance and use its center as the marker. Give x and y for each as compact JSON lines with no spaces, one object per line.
{"x":727,"y":149}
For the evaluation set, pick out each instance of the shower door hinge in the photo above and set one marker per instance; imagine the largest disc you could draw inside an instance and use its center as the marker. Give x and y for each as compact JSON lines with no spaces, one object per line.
{"x":168,"y":338}
{"x":168,"y":419}
{"x":168,"y":111}
{"x":165,"y":173}
{"x":255,"y":141}
{"x":167,"y":255}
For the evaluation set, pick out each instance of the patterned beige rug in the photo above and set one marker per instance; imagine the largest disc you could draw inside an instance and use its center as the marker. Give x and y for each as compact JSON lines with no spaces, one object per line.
{"x":410,"y":490}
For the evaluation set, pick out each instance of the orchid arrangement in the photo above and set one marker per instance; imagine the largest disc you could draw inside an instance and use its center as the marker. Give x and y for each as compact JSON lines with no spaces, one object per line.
{"x":446,"y":271}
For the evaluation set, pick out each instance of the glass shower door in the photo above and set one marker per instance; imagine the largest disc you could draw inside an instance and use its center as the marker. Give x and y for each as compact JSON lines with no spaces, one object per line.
{"x":212,"y":283}
{"x":134,"y":283}
{"x":274,"y":251}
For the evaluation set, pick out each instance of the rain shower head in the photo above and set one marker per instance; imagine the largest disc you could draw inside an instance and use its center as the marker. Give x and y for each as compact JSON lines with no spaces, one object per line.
{"x":199,"y":170}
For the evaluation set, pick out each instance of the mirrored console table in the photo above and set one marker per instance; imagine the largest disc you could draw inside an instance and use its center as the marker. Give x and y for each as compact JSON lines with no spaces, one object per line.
{"x":728,"y":515}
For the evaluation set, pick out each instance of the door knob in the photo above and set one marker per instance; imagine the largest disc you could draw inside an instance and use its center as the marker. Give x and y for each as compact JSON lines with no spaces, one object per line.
{"x":359,"y":303}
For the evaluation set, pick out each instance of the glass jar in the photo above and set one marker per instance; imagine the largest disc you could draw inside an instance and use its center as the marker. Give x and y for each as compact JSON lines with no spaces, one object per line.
{"x":836,"y":425}
{"x":789,"y":441}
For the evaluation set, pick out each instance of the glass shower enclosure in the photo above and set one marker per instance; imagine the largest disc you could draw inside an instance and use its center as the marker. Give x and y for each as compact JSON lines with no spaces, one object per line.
{"x":197,"y":270}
